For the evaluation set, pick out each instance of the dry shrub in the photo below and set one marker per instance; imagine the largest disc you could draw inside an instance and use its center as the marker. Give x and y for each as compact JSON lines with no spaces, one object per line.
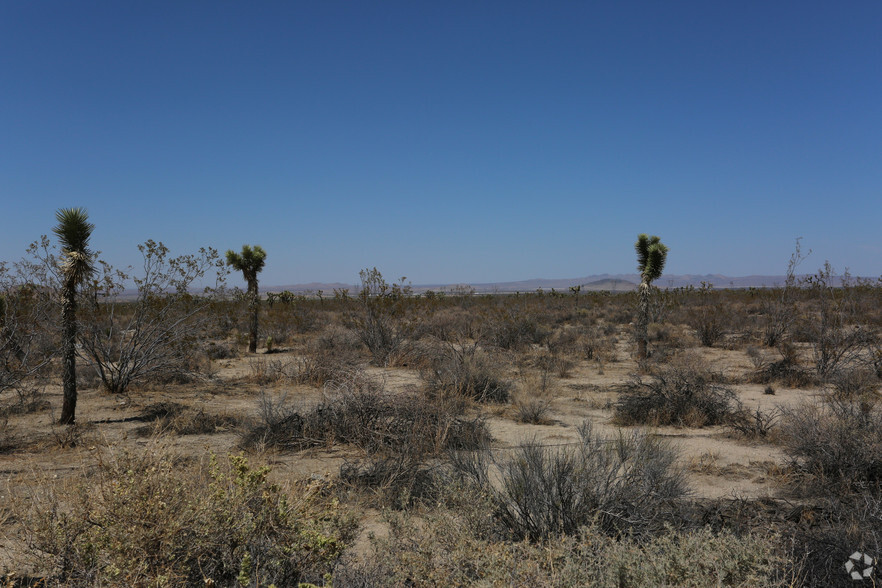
{"x":466,"y":372}
{"x":758,"y":424}
{"x":515,"y":331}
{"x":786,"y":370}
{"x":357,"y":411}
{"x":624,"y":485}
{"x":156,"y":519}
{"x":854,"y":384}
{"x":267,"y":371}
{"x":445,"y":551}
{"x":683,"y":394}
{"x":220,"y":350}
{"x":837,"y":445}
{"x":171,"y":417}
{"x":532,"y":401}
{"x":399,"y":435}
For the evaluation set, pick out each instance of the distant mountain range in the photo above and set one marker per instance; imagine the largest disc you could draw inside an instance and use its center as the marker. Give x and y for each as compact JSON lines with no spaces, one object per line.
{"x":610,"y":282}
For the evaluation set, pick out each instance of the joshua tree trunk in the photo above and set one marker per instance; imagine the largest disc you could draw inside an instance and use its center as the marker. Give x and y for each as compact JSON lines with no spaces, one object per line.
{"x":254,"y":303}
{"x":642,"y":320}
{"x":69,"y":352}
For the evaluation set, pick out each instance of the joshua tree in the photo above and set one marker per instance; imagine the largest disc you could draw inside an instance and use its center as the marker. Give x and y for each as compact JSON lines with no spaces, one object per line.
{"x":73,"y":231}
{"x":250,"y":262}
{"x":651,"y":257}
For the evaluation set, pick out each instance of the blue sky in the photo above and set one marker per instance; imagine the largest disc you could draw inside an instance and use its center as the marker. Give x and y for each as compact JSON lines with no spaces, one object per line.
{"x":450,"y":141}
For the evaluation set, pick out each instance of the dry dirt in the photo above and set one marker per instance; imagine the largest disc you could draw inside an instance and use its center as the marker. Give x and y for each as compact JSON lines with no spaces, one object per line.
{"x":719,"y":463}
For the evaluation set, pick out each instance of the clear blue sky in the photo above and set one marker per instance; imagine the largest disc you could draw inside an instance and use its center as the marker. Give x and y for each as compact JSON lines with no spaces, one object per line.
{"x":455,"y":141}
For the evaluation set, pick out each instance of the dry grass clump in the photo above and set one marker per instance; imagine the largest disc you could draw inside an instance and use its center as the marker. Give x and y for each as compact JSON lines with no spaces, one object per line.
{"x":683,"y":394}
{"x":156,"y":519}
{"x":624,"y":485}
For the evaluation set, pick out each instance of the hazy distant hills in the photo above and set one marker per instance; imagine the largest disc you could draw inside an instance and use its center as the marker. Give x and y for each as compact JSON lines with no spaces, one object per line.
{"x":610,"y":282}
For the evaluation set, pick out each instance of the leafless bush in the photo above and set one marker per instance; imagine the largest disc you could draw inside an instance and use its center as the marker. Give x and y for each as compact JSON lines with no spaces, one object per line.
{"x":683,"y":394}
{"x":758,"y":424}
{"x":268,"y":371}
{"x":220,"y":350}
{"x":707,"y":316}
{"x":27,"y":338}
{"x":154,"y":335}
{"x":382,"y":321}
{"x":839,"y":336}
{"x":624,"y":485}
{"x":513,"y":330}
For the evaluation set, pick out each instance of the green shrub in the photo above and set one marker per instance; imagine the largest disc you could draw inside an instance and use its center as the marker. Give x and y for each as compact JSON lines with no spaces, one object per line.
{"x":155,"y":519}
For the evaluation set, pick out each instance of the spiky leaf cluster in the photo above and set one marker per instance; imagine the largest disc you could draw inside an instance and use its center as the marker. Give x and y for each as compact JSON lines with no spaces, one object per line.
{"x":250,"y":262}
{"x":651,"y":257}
{"x":74,"y":231}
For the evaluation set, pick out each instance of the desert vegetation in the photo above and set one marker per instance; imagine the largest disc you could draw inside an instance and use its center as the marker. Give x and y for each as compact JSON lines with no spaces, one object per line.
{"x":688,"y":437}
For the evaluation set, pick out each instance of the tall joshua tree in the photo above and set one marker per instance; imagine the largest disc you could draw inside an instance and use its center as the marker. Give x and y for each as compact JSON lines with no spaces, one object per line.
{"x":250,"y":262}
{"x":73,"y":232}
{"x":651,"y":257}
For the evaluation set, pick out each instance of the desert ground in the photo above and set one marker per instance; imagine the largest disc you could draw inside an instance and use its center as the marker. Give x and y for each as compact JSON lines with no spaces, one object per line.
{"x":503,"y":372}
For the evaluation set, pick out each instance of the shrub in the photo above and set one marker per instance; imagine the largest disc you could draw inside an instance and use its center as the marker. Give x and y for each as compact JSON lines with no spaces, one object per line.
{"x":468,"y":372}
{"x":628,"y":484}
{"x":382,"y":321}
{"x":838,"y":444}
{"x":683,"y":394}
{"x":154,"y":519}
{"x":854,"y":384}
{"x":154,"y":334}
{"x":445,"y":553}
{"x":513,"y":331}
{"x":359,"y":412}
{"x":164,"y":417}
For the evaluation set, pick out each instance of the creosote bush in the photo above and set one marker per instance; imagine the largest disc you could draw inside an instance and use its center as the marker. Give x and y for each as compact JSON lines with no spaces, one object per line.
{"x":683,"y":394}
{"x":156,"y":519}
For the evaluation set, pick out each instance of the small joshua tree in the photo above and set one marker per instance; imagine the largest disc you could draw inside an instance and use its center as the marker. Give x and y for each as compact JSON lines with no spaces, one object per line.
{"x":651,"y":257}
{"x":250,"y":262}
{"x":77,"y":265}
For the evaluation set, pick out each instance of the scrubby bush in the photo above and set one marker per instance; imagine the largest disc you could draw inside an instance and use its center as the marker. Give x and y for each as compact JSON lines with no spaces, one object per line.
{"x":155,"y":519}
{"x":465,"y":371}
{"x":838,"y":445}
{"x":446,"y":550}
{"x":359,"y":412}
{"x":683,"y":394}
{"x":623,"y":485}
